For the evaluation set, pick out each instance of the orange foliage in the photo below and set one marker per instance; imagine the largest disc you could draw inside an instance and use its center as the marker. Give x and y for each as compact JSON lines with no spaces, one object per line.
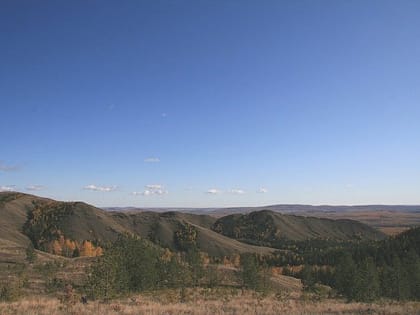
{"x":205,"y":258}
{"x":89,"y":250}
{"x":167,"y":255}
{"x":98,"y":251}
{"x":66,"y":247}
{"x":55,"y":247}
{"x":236,"y":260}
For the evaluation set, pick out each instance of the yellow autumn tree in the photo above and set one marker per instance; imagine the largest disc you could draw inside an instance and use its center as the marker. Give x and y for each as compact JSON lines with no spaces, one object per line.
{"x":87,"y":249}
{"x":236,"y":260}
{"x":205,"y":259}
{"x":68,"y":248}
{"x":226,"y":261}
{"x":167,"y":255}
{"x":55,"y":248}
{"x":98,"y":251}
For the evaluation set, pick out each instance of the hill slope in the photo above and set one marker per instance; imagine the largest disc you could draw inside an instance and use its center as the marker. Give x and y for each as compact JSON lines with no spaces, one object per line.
{"x":161,"y":227}
{"x":266,"y":227}
{"x":13,"y":211}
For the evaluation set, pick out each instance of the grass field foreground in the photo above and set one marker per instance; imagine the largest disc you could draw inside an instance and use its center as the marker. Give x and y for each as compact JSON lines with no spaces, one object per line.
{"x":205,"y":301}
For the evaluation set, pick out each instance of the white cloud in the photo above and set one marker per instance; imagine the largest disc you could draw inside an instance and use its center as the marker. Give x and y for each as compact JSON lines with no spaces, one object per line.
{"x":213,"y":191}
{"x":34,"y":187}
{"x":151,"y":189}
{"x":237,"y":191}
{"x":7,"y":168}
{"x":7,"y":188}
{"x":154,"y":187}
{"x":152,"y":160}
{"x":100,"y":188}
{"x":262,"y":190}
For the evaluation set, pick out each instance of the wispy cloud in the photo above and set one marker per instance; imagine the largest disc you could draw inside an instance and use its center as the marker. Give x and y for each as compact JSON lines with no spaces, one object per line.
{"x":152,"y":160}
{"x":137,"y":193}
{"x":34,"y":187}
{"x":7,"y":188}
{"x":154,"y":187}
{"x":213,"y":191}
{"x":7,"y":168}
{"x":262,"y":190}
{"x":237,"y":191}
{"x":100,"y":188}
{"x":151,"y":189}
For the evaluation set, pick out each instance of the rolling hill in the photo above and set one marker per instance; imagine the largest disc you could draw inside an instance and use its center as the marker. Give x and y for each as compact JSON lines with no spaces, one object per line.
{"x":266,"y":227}
{"x":80,"y":221}
{"x":25,"y":218}
{"x":160,"y":228}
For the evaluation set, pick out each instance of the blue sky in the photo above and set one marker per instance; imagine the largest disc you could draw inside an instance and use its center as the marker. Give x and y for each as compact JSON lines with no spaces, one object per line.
{"x":211,"y":103}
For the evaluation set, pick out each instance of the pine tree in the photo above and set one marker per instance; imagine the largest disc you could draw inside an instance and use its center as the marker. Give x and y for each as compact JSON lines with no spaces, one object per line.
{"x":251,"y":278}
{"x":411,"y":266}
{"x":195,"y":264}
{"x":401,"y":285}
{"x":346,"y":277}
{"x":308,"y":279}
{"x":367,"y":286}
{"x":30,"y":254}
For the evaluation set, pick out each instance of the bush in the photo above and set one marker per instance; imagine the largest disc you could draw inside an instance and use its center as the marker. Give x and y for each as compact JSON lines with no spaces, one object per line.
{"x":10,"y":292}
{"x":30,"y":254}
{"x":250,"y":274}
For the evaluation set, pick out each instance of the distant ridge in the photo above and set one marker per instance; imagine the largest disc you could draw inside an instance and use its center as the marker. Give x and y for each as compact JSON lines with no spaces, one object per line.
{"x":283,"y":208}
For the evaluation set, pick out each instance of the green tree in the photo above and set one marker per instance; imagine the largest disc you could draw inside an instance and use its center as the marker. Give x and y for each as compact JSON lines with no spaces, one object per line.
{"x":30,"y":254}
{"x":401,"y":286}
{"x":346,"y":276}
{"x":308,"y":278}
{"x":129,"y":265}
{"x":195,"y":264}
{"x":250,"y":274}
{"x":172,"y":273}
{"x":185,"y":237}
{"x":411,"y":265}
{"x":368,"y":285}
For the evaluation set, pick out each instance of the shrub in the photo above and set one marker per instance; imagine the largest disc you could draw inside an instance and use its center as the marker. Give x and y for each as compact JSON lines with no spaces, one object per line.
{"x":10,"y":292}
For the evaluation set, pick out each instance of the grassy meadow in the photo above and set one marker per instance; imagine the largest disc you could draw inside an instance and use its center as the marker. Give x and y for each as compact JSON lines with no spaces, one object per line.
{"x":206,"y":301}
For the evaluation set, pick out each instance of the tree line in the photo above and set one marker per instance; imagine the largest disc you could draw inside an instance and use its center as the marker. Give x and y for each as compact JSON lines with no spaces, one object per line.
{"x":367,"y":271}
{"x":132,"y":264}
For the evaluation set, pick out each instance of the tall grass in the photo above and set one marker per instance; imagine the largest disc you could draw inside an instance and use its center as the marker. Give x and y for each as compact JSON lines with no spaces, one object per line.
{"x":202,"y":302}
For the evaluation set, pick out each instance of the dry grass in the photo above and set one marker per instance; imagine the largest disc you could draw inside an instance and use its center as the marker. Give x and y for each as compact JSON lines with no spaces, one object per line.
{"x":393,"y":230}
{"x":206,"y":301}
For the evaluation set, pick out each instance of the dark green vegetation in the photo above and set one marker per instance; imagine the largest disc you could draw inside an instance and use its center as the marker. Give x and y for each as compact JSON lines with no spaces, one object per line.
{"x":152,"y":250}
{"x":366,"y":271}
{"x":271,"y":228}
{"x":163,"y":228}
{"x":132,"y":265}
